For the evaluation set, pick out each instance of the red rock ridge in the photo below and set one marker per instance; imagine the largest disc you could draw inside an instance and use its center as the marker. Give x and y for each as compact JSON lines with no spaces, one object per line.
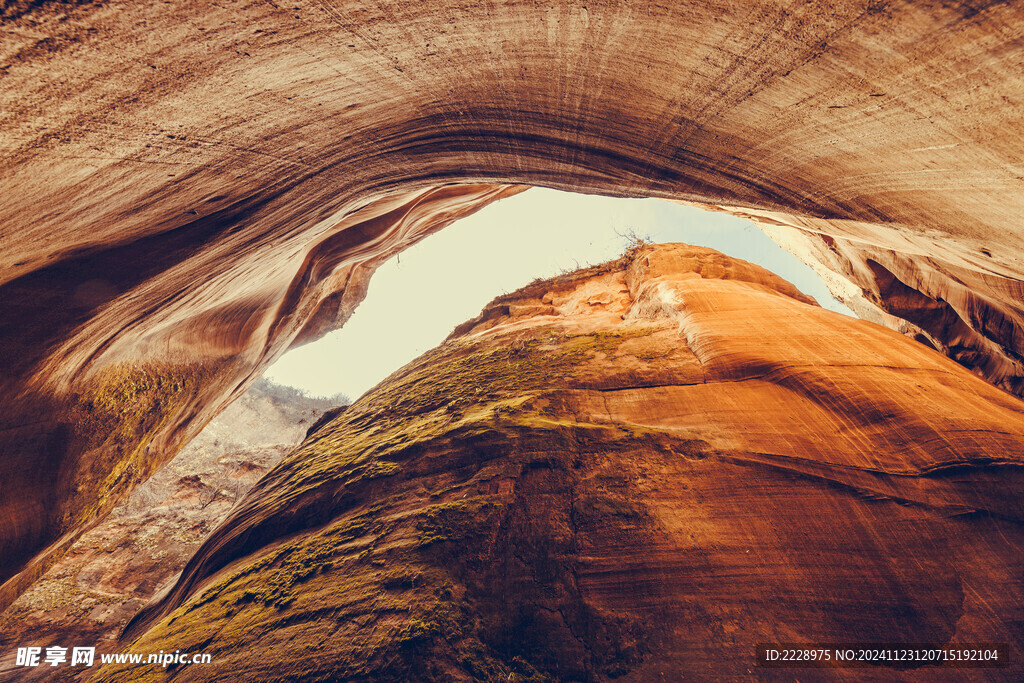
{"x":639,"y":470}
{"x":965,"y":304}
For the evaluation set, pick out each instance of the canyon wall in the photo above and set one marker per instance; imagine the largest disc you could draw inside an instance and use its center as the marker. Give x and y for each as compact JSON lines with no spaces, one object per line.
{"x":114,"y":569}
{"x":637,"y":471}
{"x":190,"y":187}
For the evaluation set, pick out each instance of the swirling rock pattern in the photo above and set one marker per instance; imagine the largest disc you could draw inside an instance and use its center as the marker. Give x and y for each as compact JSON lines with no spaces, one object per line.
{"x":635,"y":471}
{"x":189,"y":188}
{"x":105,"y":390}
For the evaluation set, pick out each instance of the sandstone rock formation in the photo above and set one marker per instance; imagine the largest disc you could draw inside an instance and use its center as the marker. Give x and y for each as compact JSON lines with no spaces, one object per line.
{"x":633,"y":472}
{"x":92,"y":416}
{"x":113,"y":570}
{"x":189,"y":188}
{"x":963,"y":306}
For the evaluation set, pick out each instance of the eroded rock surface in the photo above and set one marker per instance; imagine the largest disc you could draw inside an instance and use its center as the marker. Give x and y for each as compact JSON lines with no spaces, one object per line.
{"x":633,"y":472}
{"x":965,"y":305}
{"x":191,"y":187}
{"x":113,"y":570}
{"x":116,"y":357}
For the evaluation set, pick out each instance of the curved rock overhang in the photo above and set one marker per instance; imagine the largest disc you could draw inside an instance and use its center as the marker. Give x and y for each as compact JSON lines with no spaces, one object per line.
{"x":190,"y":188}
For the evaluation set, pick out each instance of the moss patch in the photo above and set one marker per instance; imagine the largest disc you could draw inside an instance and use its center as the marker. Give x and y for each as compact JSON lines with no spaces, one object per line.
{"x":115,"y":422}
{"x":456,"y":520}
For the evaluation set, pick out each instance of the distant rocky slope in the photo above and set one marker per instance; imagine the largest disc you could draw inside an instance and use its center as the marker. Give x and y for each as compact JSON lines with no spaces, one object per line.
{"x":115,"y":568}
{"x":633,"y":472}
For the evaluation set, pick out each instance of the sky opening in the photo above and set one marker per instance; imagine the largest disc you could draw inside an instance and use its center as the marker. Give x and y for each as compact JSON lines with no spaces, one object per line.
{"x":417,"y":298}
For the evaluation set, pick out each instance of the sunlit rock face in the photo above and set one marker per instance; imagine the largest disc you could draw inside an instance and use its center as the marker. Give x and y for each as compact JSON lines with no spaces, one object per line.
{"x":964,"y":305}
{"x":636,"y":471}
{"x":189,"y":188}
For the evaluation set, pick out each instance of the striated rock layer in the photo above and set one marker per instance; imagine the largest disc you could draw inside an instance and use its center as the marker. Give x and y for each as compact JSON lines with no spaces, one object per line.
{"x":637,"y":471}
{"x":113,"y":570}
{"x":955,"y":303}
{"x":191,"y":187}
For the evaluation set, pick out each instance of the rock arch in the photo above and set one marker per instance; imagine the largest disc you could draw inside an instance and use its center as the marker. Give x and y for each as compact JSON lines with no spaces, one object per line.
{"x":191,"y":188}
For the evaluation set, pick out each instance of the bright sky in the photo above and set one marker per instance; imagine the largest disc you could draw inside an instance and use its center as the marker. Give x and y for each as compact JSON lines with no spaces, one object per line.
{"x":416,"y":299}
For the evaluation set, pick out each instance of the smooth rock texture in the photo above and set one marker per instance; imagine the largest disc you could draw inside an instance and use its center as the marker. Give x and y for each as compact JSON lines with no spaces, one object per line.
{"x":636,"y":471}
{"x":958,"y":304}
{"x":114,"y":569}
{"x":191,"y":187}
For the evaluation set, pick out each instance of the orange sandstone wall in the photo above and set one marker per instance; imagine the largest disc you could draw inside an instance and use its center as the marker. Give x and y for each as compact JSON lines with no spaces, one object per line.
{"x":635,"y":471}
